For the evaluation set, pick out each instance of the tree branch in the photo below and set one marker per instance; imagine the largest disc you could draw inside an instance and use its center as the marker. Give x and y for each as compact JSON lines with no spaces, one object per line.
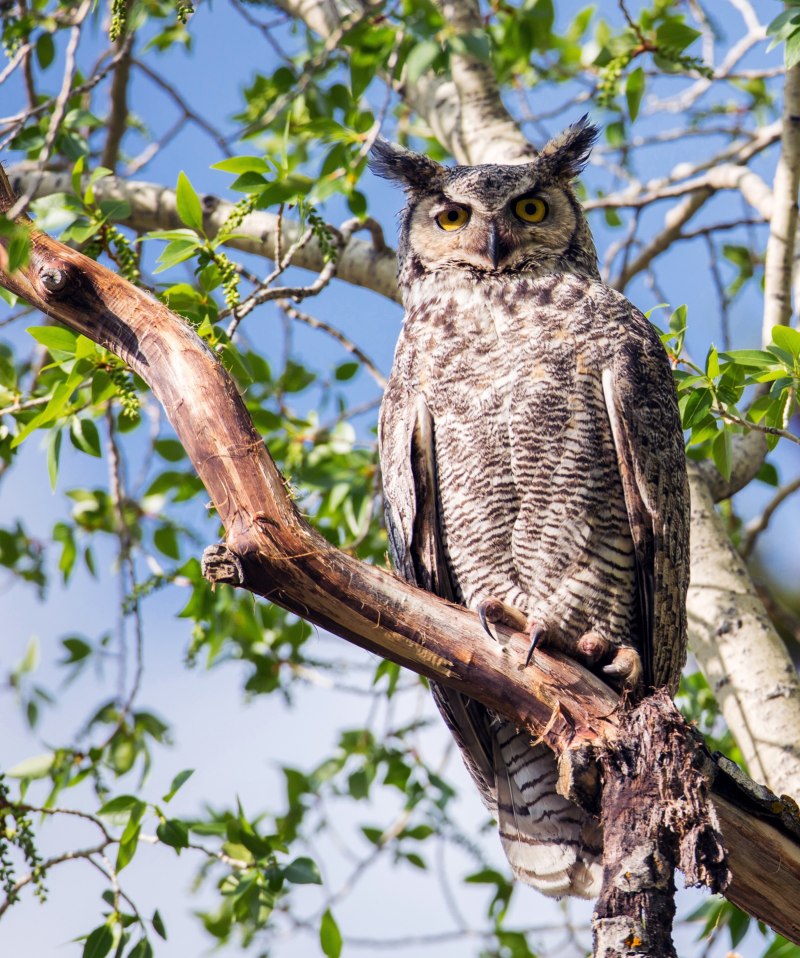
{"x":486,"y":131}
{"x":153,"y":207}
{"x":742,"y":656}
{"x":779,"y":267}
{"x":117,"y":121}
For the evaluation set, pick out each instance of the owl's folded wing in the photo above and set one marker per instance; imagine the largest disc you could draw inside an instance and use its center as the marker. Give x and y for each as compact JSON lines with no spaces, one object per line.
{"x":408,"y":463}
{"x":642,"y":409}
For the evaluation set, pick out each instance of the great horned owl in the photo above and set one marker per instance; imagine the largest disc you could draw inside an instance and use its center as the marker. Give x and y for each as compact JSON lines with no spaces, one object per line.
{"x":533,"y":462}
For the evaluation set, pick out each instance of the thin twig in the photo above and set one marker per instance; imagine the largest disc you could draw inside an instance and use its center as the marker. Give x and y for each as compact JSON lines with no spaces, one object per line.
{"x":294,"y":313}
{"x":187,"y":111}
{"x":757,"y":526}
{"x":59,"y":108}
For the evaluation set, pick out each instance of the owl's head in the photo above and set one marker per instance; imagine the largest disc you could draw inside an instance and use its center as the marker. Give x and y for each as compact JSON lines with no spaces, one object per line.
{"x":493,"y":218}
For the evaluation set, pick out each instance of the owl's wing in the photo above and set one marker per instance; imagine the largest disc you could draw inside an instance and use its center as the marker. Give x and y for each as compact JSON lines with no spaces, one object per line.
{"x":413,"y":523}
{"x":645,"y":424}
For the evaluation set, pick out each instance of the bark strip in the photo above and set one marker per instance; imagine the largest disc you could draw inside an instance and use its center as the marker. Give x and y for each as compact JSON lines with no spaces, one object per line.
{"x":656,"y":815}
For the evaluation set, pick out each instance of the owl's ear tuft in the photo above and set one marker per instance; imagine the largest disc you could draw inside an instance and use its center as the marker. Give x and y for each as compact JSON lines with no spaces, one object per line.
{"x":567,"y":154}
{"x":412,"y":171}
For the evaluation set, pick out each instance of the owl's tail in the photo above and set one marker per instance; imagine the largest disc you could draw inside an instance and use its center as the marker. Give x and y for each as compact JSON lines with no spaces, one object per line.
{"x":551,"y":843}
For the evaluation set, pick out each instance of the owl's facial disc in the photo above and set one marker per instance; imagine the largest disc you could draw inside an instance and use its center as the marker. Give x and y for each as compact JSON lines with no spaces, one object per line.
{"x":520,"y":230}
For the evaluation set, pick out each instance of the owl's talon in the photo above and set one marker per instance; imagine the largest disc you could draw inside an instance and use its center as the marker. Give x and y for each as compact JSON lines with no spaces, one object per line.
{"x":537,"y":633}
{"x":627,"y":666}
{"x":493,"y":610}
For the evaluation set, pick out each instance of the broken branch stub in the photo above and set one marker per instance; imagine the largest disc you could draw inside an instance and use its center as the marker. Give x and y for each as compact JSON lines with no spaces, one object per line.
{"x":657,"y":815}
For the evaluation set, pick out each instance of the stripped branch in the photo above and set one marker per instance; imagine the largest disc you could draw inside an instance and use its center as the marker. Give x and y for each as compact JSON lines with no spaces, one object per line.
{"x":779,"y":266}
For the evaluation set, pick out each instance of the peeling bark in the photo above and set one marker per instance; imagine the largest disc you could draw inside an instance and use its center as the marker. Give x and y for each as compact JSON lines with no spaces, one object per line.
{"x":657,"y":815}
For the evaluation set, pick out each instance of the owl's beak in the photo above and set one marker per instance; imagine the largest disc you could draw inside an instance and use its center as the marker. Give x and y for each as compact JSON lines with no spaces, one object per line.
{"x":496,"y":249}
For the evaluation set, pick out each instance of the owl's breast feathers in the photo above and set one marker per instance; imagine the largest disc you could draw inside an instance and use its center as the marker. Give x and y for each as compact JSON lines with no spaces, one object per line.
{"x":557,"y":452}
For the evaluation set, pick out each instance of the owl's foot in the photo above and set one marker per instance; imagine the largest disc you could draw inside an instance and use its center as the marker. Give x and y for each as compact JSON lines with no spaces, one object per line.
{"x":625,"y":666}
{"x":592,"y":647}
{"x":494,"y":611}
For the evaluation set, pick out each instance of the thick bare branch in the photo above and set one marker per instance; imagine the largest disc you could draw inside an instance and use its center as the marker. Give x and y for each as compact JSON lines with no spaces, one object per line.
{"x":486,"y":131}
{"x":153,"y":207}
{"x":779,"y":267}
{"x":743,"y":658}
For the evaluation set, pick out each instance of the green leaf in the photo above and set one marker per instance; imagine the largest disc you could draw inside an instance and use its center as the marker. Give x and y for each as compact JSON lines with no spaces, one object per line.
{"x":243,"y":164}
{"x":18,"y":249}
{"x":158,"y":925}
{"x":787,"y":338}
{"x":128,"y":844}
{"x":755,"y":358}
{"x":142,"y":949}
{"x":36,"y":767}
{"x":187,"y":203}
{"x":783,"y":24}
{"x":45,"y":50}
{"x":165,"y":539}
{"x":102,"y":386}
{"x":721,"y":452}
{"x":77,"y":650}
{"x":675,"y":35}
{"x":695,"y":406}
{"x":56,"y":339}
{"x":792,"y":50}
{"x":302,"y":871}
{"x":712,"y":363}
{"x":122,"y":803}
{"x":420,"y":59}
{"x":53,"y":455}
{"x":250,"y":182}
{"x":170,"y":449}
{"x":85,"y":436}
{"x":176,"y":251}
{"x":418,"y":832}
{"x":330,"y":938}
{"x":346,"y":371}
{"x":99,"y":942}
{"x":634,"y":91}
{"x":178,"y":782}
{"x":768,"y":474}
{"x":174,"y":832}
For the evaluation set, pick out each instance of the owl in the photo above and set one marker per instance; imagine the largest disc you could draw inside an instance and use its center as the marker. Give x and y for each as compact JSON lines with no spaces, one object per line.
{"x":533,"y":464}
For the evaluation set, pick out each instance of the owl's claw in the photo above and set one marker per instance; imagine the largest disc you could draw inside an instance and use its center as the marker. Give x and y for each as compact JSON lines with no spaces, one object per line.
{"x":537,"y":633}
{"x":493,"y":610}
{"x":627,"y":666}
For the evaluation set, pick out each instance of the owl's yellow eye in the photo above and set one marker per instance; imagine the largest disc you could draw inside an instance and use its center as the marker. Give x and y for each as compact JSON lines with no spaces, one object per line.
{"x":530,"y":209}
{"x":453,"y":218}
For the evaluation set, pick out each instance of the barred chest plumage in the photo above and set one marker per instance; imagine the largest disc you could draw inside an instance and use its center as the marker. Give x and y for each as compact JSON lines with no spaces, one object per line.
{"x":532,"y":505}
